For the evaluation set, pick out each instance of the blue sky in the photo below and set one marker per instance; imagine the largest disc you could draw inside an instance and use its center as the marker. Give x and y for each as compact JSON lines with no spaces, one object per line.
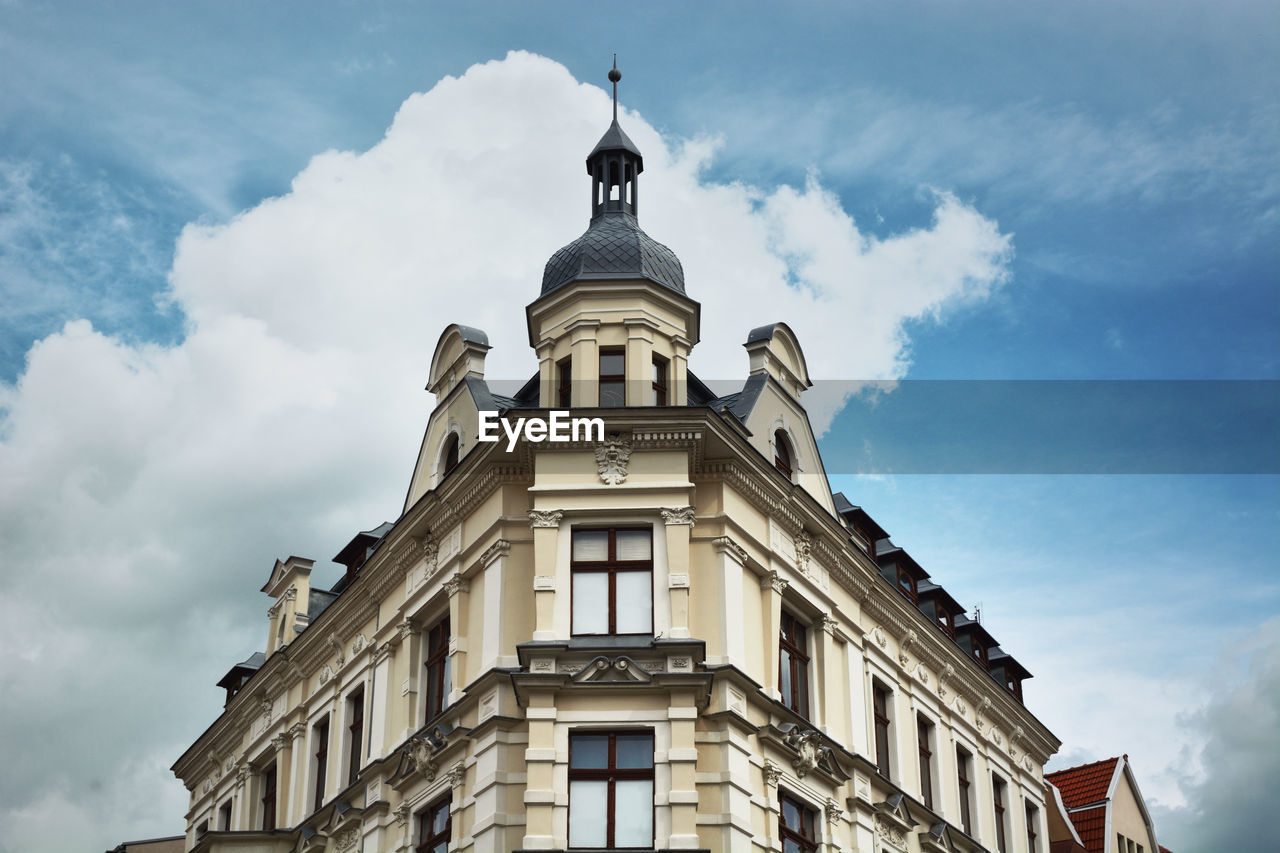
{"x":981,"y":191}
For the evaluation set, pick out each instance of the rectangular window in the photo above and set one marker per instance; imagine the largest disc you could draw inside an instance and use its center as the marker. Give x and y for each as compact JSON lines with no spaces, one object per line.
{"x":793,"y":664}
{"x":268,"y":782}
{"x":202,"y":829}
{"x":997,"y":799}
{"x":881,"y":699}
{"x":1033,"y":820}
{"x":612,"y":574}
{"x":613,"y":378}
{"x":434,"y":827}
{"x":436,"y":669}
{"x":659,"y":381}
{"x":564,"y":382}
{"x":224,"y":816}
{"x":611,"y":789}
{"x":355,"y":733}
{"x":797,"y":825}
{"x":320,"y":734}
{"x":924,"y":737}
{"x":962,"y":778}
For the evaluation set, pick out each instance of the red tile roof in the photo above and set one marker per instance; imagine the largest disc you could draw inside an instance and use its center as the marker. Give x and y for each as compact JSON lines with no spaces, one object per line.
{"x":1091,"y":826}
{"x":1066,"y":845}
{"x":1164,"y":849}
{"x":1084,"y":785}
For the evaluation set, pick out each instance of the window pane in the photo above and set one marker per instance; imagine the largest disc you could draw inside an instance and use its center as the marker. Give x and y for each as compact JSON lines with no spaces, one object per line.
{"x":590,"y":545}
{"x":790,"y":815}
{"x":612,"y":363}
{"x":784,"y":676}
{"x":588,"y":813}
{"x":612,"y":395}
{"x":439,"y":819}
{"x":789,"y":846}
{"x":589,"y":752}
{"x":634,"y":752}
{"x":634,"y":544}
{"x":635,"y":608}
{"x":633,"y":818}
{"x":590,"y":602}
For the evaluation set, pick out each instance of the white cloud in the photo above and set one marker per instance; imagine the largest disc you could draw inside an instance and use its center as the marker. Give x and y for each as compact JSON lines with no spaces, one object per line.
{"x":147,"y":489}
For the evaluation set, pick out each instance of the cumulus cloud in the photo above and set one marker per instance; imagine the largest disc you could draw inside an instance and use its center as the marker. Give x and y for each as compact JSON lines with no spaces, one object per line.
{"x":147,"y":489}
{"x":1231,"y":800}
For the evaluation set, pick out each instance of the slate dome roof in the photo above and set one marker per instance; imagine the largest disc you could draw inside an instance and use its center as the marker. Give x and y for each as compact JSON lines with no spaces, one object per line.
{"x":614,"y":247}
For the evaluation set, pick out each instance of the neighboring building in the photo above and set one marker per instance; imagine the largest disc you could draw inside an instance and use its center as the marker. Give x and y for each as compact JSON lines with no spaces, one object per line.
{"x":670,"y":636}
{"x":1106,"y":809}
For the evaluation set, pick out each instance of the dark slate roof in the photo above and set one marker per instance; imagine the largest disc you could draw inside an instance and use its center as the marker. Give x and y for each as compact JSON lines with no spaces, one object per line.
{"x":614,"y":247}
{"x":473,"y":336}
{"x":249,"y":665}
{"x":740,"y":403}
{"x":614,"y":139}
{"x":317,"y":601}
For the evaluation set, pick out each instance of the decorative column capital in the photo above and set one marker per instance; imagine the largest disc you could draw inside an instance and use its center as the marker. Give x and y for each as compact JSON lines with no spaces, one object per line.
{"x":545,"y":518}
{"x":455,"y":584}
{"x":677,"y":515}
{"x":774,"y":581}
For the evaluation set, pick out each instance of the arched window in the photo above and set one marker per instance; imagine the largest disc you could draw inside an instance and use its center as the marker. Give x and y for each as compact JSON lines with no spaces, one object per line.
{"x":782,"y":453}
{"x":449,"y":455}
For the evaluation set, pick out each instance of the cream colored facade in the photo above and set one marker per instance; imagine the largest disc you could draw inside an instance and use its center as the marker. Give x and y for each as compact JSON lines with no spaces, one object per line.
{"x":737,"y":548}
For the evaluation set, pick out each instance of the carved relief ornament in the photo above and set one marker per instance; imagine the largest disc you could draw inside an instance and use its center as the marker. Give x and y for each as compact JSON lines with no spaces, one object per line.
{"x":545,"y":518}
{"x":677,"y":515}
{"x":613,"y":455}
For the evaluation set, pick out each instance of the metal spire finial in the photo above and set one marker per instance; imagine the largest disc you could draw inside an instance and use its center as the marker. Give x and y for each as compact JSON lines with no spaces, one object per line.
{"x":614,"y":76}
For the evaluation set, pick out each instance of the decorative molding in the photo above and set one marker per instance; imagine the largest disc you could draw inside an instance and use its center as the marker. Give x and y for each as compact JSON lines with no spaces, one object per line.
{"x":347,"y":838}
{"x":804,"y":551}
{"x":358,"y":644}
{"x":612,"y":457}
{"x":890,"y":833}
{"x":772,"y":773}
{"x":297,"y":730}
{"x":455,"y":584}
{"x":677,"y":515}
{"x":725,"y":545}
{"x":545,"y":518}
{"x":808,"y":747}
{"x":381,"y":653}
{"x":833,"y":811}
{"x":456,"y":774}
{"x":775,"y":581}
{"x":493,"y":552}
{"x":326,"y":673}
{"x":909,"y":639}
{"x":944,"y":675}
{"x":422,"y":757}
{"x":878,"y":636}
{"x":402,"y":813}
{"x":337,"y":648}
{"x":830,"y":624}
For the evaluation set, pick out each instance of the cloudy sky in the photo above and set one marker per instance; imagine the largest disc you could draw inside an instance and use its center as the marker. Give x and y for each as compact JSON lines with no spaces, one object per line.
{"x":230,"y":235}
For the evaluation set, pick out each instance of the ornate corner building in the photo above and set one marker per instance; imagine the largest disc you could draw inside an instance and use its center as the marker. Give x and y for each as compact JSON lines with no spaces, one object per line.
{"x":670,"y":636}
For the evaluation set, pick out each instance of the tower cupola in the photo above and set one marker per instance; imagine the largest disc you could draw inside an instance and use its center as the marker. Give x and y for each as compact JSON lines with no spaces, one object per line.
{"x":614,"y":165}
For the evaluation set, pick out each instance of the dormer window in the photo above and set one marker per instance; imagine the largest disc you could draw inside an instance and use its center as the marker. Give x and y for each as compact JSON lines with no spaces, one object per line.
{"x":659,"y":381}
{"x":782,"y":457}
{"x":449,"y":454}
{"x":946,"y":621}
{"x":907,"y":582}
{"x":613,"y":378}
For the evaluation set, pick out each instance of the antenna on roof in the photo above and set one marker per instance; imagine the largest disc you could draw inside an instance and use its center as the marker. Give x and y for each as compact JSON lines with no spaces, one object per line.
{"x":977,"y":613}
{"x":614,"y":76}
